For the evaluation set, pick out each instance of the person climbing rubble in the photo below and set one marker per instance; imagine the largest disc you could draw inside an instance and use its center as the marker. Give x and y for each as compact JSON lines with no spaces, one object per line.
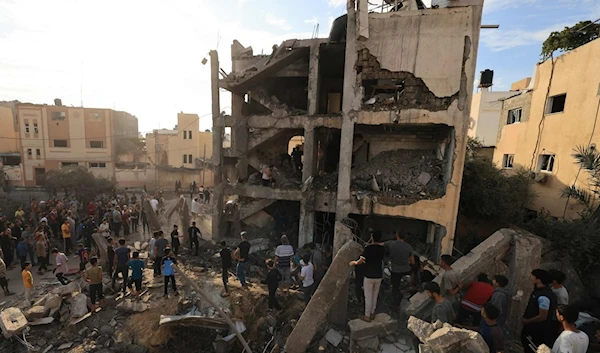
{"x":450,"y":285}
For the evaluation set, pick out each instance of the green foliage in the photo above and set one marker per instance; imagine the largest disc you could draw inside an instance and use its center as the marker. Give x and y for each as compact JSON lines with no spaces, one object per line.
{"x":578,"y":239}
{"x":8,"y":206}
{"x":588,"y":159}
{"x":78,"y":180}
{"x":570,"y":38}
{"x":488,"y":194}
{"x":473,"y":144}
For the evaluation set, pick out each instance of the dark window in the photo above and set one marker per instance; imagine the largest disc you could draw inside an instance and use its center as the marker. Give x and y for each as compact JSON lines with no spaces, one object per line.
{"x":508,"y":161}
{"x":189,"y":135}
{"x":546,"y":162}
{"x":556,"y":104}
{"x":96,"y":144}
{"x":61,"y":143}
{"x":514,"y":116}
{"x":35,"y":128}
{"x":38,"y":152}
{"x":184,"y":158}
{"x":26,"y":128}
{"x":185,"y":134}
{"x":98,"y":165}
{"x":29,"y":152}
{"x":69,"y":164}
{"x":189,"y":158}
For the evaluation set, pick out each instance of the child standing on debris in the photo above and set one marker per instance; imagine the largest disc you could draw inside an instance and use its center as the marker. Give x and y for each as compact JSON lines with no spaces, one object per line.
{"x":442,"y":309}
{"x":136,"y":265}
{"x":93,"y":276}
{"x":272,"y":281}
{"x":175,"y":239}
{"x":226,"y":264}
{"x":169,"y":272}
{"x":27,"y":281}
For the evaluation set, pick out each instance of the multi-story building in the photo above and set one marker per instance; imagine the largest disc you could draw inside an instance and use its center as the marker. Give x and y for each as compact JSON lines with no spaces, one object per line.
{"x":486,"y":109}
{"x":541,"y":127}
{"x":383,"y":107}
{"x":54,"y":136}
{"x":184,"y":148}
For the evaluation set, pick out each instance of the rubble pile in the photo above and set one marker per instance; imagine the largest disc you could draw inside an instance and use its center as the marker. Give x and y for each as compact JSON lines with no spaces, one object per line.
{"x":407,"y":175}
{"x":444,"y":338}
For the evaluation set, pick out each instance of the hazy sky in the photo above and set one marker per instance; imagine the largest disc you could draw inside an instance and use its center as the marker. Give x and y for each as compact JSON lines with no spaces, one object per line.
{"x":144,"y":57}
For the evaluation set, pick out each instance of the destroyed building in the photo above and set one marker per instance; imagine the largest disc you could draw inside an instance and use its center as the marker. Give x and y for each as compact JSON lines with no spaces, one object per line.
{"x":382,"y":106}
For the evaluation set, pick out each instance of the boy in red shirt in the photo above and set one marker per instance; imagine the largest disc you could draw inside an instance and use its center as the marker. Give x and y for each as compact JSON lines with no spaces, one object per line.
{"x":478,"y":293}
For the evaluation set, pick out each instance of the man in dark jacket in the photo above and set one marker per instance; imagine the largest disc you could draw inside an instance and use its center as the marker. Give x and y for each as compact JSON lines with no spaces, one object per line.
{"x":537,"y":320}
{"x":501,"y":300}
{"x":226,"y":264}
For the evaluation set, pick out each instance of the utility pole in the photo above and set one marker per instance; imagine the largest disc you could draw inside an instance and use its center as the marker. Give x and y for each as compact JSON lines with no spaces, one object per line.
{"x":204,"y":166}
{"x":156,"y":150}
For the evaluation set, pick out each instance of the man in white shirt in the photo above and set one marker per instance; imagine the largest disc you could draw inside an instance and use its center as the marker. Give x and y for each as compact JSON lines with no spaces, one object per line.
{"x":307,"y":277}
{"x":195,"y":208}
{"x":154,"y":204}
{"x":571,"y":340}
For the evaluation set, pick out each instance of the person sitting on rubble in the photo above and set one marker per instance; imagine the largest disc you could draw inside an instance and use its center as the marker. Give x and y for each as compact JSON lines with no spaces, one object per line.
{"x":372,"y":258}
{"x":442,"y":309}
{"x":501,"y":300}
{"x":267,"y":176}
{"x":450,"y":284}
{"x":478,"y":293}
{"x":562,"y":295}
{"x":254,"y":179}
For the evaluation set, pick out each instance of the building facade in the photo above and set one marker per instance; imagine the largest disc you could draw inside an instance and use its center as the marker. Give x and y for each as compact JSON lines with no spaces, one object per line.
{"x":383,"y":108}
{"x":540,"y":128}
{"x":179,"y":154}
{"x":51,"y":137}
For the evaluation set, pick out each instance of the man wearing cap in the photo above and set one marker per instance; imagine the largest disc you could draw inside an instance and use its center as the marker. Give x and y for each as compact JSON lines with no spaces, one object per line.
{"x":241,"y":255}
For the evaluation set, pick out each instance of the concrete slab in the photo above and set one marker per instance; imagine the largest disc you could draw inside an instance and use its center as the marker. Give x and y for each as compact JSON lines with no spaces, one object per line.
{"x":334,"y":337}
{"x":42,"y":321}
{"x":383,"y":325}
{"x":36,"y":312}
{"x":12,"y":322}
{"x":371,"y":343}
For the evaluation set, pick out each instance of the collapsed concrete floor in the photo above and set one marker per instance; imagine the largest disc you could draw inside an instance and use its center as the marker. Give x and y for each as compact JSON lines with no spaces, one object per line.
{"x":404,"y":175}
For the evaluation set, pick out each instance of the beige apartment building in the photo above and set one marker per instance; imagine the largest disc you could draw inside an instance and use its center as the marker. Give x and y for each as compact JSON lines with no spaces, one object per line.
{"x":50,"y":137}
{"x":540,"y":128}
{"x":179,"y":154}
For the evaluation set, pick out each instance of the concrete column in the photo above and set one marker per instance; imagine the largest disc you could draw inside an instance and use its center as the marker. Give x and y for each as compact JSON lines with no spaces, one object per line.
{"x":240,"y":136}
{"x":313,"y":80}
{"x":307,"y":217}
{"x":351,"y":103}
{"x":217,"y":157}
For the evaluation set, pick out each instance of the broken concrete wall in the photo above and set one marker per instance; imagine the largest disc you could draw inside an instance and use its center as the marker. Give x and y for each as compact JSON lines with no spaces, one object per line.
{"x":444,"y":338}
{"x":479,"y":259}
{"x":429,"y":44}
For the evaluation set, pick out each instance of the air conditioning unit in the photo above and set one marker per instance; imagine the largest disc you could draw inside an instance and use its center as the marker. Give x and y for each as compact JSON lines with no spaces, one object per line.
{"x":539,"y":177}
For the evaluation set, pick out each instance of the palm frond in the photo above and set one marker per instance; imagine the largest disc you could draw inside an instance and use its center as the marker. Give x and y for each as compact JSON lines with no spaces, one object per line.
{"x":588,"y":158}
{"x":582,"y":196}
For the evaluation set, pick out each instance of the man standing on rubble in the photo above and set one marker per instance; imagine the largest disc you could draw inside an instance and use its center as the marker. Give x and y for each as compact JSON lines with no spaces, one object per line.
{"x":159,"y":252}
{"x":194,"y":233}
{"x":538,"y":323}
{"x":241,"y":255}
{"x":450,"y":284}
{"x":402,"y":255}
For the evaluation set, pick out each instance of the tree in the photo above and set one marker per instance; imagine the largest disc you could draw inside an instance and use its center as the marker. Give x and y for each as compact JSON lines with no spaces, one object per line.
{"x":588,"y":159}
{"x":78,"y":180}
{"x":570,"y":38}
{"x":488,"y":194}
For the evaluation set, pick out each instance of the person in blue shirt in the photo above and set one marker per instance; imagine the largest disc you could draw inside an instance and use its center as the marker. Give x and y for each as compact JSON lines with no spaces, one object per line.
{"x":169,"y":272}
{"x":22,"y":251}
{"x":137,"y":273}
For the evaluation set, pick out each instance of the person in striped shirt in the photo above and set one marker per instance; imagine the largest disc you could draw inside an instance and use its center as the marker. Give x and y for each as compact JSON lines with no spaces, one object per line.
{"x":283,"y":256}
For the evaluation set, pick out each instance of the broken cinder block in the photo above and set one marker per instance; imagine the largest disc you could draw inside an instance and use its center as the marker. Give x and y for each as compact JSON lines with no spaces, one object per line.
{"x":12,"y":322}
{"x":382,"y":325}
